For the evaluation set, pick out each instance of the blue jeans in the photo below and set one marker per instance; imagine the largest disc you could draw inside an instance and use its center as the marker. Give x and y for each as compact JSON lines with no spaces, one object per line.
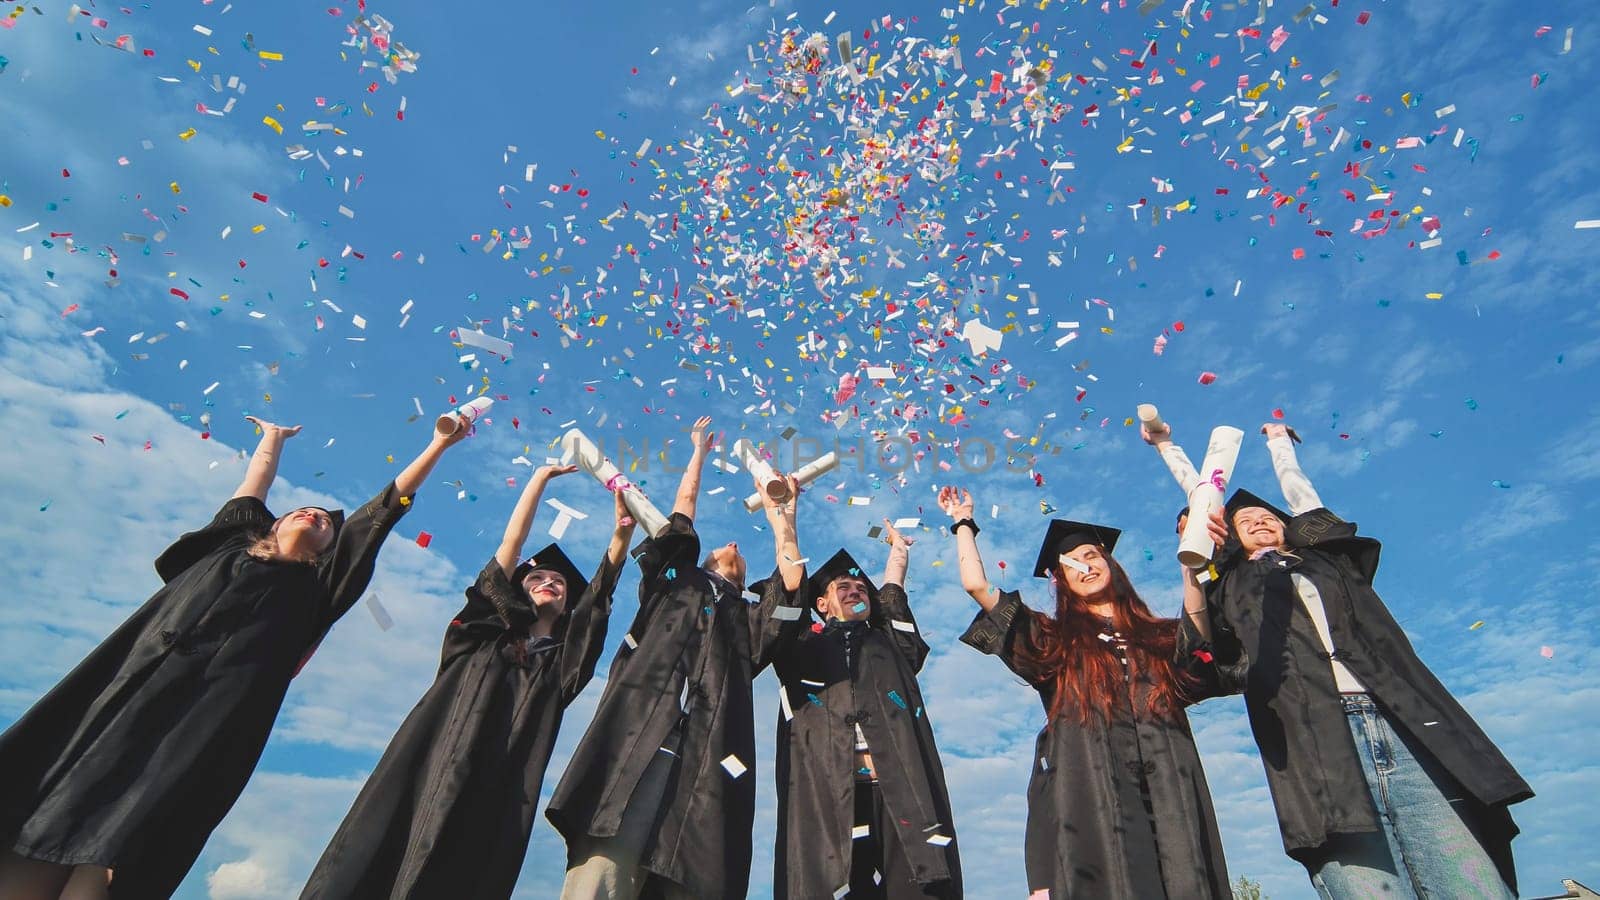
{"x":1425,"y":848}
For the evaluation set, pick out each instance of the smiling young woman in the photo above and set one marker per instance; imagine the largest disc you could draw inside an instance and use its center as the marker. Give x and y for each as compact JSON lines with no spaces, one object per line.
{"x":118,"y":775}
{"x":1117,"y":799}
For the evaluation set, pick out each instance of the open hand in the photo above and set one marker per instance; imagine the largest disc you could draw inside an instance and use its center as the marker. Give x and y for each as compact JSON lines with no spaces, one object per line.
{"x":701,"y":434}
{"x":545,"y":473}
{"x":956,"y":503}
{"x":893,"y":536}
{"x":268,"y":429}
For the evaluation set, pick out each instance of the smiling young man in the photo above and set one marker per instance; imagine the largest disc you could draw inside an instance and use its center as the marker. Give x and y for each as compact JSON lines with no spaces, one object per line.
{"x":863,"y":810}
{"x":1384,"y":785}
{"x":659,"y":799}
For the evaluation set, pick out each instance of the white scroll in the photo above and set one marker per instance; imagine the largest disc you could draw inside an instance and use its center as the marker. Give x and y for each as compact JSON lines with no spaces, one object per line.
{"x":1151,"y":418}
{"x":577,"y":448}
{"x":767,"y":480}
{"x":1194,"y":550}
{"x":465,"y":414}
{"x":808,"y":473}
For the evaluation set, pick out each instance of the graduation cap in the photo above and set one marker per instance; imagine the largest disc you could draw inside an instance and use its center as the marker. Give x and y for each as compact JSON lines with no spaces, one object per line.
{"x":1243,"y":499}
{"x":1063,"y":536}
{"x":841,"y":565}
{"x":552,"y":558}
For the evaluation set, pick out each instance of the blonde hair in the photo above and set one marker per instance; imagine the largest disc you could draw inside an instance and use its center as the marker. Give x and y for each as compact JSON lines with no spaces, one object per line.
{"x":265,"y":548}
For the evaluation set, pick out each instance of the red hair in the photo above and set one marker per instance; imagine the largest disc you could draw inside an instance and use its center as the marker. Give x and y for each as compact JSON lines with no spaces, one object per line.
{"x":1068,"y":649}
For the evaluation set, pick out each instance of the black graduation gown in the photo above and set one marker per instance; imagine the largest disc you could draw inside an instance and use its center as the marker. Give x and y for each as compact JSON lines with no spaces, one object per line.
{"x":449,"y":809}
{"x":1268,"y":647}
{"x":137,"y":754}
{"x":1088,"y":834}
{"x":703,"y":839}
{"x":824,"y":697}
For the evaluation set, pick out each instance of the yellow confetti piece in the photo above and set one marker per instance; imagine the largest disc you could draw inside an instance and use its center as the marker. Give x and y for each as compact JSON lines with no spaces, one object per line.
{"x":257,"y":229}
{"x":4,"y":200}
{"x":194,"y":64}
{"x":272,"y":55}
{"x":186,"y":134}
{"x":1476,"y":625}
{"x":175,"y":188}
{"x":272,"y":123}
{"x":1434,"y":295}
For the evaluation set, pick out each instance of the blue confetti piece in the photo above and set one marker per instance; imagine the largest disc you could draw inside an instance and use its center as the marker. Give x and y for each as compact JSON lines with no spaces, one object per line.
{"x":1502,"y":485}
{"x":1471,"y":403}
{"x":814,"y":699}
{"x":1148,"y":556}
{"x":895,"y":696}
{"x":859,"y":607}
{"x":47,"y":502}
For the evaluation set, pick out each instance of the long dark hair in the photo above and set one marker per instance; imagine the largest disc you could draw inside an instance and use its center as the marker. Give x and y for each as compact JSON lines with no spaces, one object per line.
{"x":1068,"y":648}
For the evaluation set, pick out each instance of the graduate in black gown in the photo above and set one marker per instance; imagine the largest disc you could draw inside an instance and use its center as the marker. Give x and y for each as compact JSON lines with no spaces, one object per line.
{"x":1384,"y":785}
{"x":450,"y":806}
{"x":862,"y":807}
{"x":1117,"y":801}
{"x":659,"y":799}
{"x":118,"y":775}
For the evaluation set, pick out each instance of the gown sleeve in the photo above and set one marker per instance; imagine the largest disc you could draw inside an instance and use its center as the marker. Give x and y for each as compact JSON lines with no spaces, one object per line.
{"x":347,"y":569}
{"x":677,"y":547}
{"x":587,"y":625}
{"x":895,"y":609}
{"x":1297,"y":489}
{"x":778,"y":620}
{"x":240,"y":515}
{"x":1004,"y":632}
{"x":494,"y":605}
{"x":1195,"y":659}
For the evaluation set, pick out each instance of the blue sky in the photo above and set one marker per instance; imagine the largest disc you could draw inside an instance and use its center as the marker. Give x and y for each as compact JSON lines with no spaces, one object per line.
{"x":1414,"y":409}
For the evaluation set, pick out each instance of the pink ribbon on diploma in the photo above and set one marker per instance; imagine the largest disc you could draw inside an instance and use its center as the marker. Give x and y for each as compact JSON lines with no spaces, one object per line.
{"x":1218,"y":482}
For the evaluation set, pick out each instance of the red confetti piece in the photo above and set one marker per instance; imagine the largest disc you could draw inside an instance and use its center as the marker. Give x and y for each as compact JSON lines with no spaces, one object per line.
{"x":424,"y":539}
{"x":178,"y":292}
{"x":1177,"y":326}
{"x":1277,"y":414}
{"x":1363,"y":18}
{"x":259,"y":196}
{"x":1208,"y":377}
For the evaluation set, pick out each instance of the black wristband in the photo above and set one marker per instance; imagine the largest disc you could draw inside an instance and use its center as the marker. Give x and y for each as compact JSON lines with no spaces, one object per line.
{"x":955,"y":525}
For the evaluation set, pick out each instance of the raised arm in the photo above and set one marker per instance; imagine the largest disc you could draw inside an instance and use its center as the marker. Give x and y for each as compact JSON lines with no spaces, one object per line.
{"x":411,"y":478}
{"x":957,"y":504}
{"x":591,"y":613}
{"x":785,"y":540}
{"x":521,"y":520}
{"x":1177,"y":461}
{"x":1297,"y":489}
{"x":894,"y":571}
{"x":263,"y":468}
{"x":689,"y":484}
{"x":1194,"y":603}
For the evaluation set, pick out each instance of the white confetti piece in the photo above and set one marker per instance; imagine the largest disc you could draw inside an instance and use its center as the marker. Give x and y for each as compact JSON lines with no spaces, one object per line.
{"x":734,"y":766}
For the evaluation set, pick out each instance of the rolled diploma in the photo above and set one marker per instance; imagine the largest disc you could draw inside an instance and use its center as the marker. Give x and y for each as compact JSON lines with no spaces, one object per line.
{"x":808,"y":473}
{"x":766,"y":479}
{"x":1151,"y":417}
{"x":471,"y":411}
{"x":577,"y":446}
{"x":1194,"y":550}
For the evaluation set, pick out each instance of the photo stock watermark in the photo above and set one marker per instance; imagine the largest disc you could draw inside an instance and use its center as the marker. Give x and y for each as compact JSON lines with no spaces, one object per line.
{"x":887,"y":455}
